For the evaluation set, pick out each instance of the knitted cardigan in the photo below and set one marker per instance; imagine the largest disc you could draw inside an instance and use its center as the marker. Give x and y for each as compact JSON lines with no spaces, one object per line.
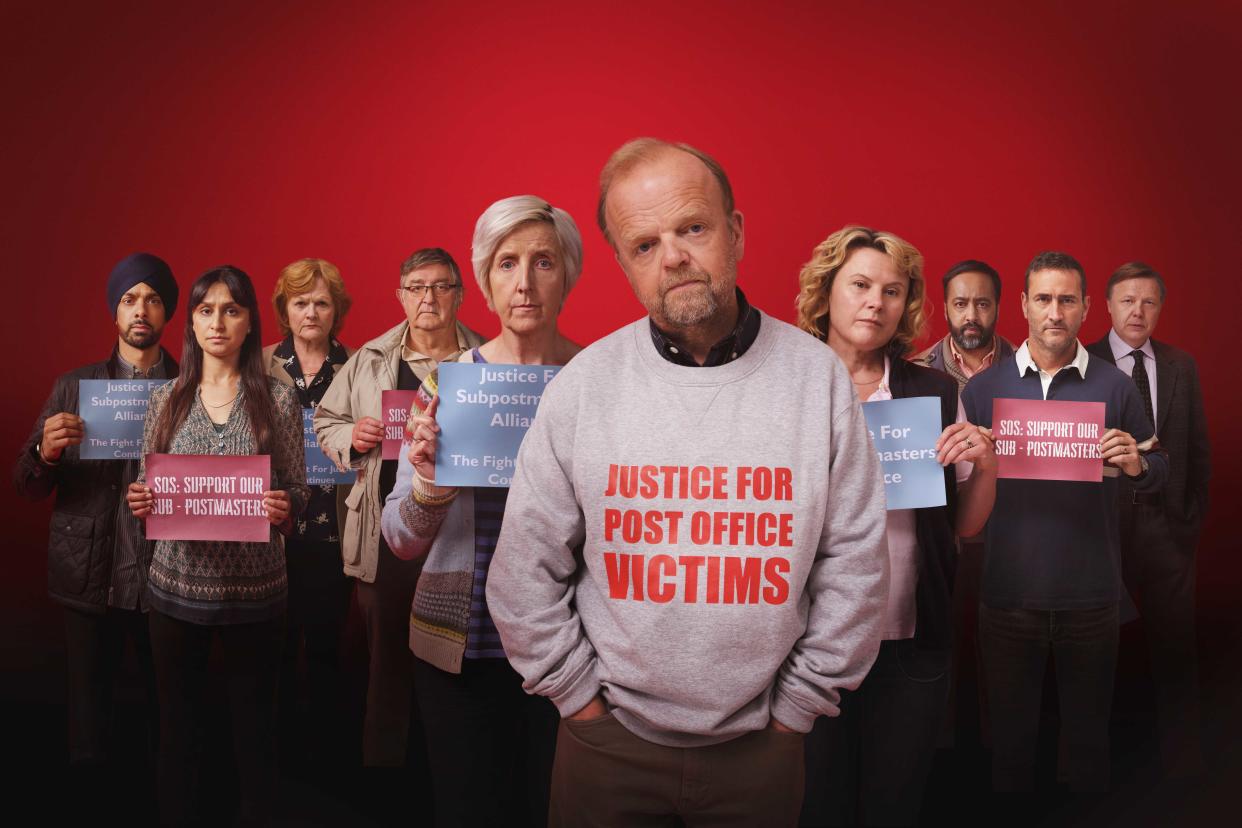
{"x":440,"y":612}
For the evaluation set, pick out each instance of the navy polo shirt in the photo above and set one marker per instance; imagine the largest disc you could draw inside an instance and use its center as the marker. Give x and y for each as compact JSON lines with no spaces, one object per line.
{"x":1055,"y":545}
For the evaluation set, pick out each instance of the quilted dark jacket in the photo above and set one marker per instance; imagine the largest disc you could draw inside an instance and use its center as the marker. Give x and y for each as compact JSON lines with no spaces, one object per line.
{"x":89,"y":493}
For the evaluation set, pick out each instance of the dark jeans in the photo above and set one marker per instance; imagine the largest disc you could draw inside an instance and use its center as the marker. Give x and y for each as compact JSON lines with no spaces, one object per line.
{"x":250,"y":662}
{"x":385,"y":607}
{"x":1016,"y":644}
{"x":490,"y":744}
{"x":604,"y":776}
{"x":95,"y":646}
{"x":869,"y":766}
{"x":310,"y":703}
{"x":1159,"y":571}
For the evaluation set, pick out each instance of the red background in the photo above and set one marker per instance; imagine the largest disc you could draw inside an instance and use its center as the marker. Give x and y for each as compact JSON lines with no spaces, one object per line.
{"x":256,"y":134}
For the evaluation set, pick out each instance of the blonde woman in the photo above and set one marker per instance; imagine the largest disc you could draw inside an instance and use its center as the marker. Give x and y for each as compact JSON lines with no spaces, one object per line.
{"x":311,"y":303}
{"x":862,"y":293}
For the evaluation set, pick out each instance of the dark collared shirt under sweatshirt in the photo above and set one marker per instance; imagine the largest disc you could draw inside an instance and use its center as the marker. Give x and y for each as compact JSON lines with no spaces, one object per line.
{"x":725,"y":351}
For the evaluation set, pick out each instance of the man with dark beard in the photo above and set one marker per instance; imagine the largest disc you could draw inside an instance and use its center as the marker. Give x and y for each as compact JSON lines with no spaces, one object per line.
{"x":972,"y":291}
{"x":97,"y":556}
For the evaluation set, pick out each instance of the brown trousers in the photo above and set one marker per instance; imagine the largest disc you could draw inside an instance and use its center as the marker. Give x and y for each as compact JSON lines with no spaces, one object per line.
{"x":604,"y":775}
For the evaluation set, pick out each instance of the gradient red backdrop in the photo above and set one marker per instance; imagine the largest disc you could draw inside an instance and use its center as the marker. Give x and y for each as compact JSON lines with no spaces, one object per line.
{"x":255,"y":134}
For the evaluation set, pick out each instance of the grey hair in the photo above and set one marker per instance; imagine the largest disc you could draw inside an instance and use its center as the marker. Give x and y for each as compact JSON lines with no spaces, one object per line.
{"x":503,"y":217}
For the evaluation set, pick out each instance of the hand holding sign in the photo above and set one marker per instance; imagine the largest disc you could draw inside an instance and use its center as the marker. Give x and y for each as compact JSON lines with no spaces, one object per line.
{"x":59,"y":432}
{"x":367,"y":434}
{"x":424,"y":434}
{"x":277,"y":505}
{"x":1121,"y":450}
{"x":966,"y":443}
{"x":140,"y":499}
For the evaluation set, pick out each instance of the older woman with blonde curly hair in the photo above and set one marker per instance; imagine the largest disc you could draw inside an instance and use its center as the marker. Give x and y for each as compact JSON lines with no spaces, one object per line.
{"x":862,"y":293}
{"x":311,"y":302}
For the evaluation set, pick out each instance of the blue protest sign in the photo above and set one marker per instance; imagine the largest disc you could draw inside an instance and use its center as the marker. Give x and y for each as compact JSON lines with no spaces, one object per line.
{"x":484,"y":412}
{"x":905,"y":433}
{"x":320,"y":471}
{"x":113,"y":412}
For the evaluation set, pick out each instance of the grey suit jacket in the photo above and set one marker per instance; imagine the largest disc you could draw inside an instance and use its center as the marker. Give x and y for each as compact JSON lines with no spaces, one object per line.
{"x":1182,"y":431}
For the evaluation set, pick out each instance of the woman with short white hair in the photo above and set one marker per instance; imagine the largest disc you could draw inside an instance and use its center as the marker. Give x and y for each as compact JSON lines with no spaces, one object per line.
{"x":490,"y":744}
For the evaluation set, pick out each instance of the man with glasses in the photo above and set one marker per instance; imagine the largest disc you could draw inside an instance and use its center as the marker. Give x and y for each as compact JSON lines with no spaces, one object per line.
{"x":348,"y":425}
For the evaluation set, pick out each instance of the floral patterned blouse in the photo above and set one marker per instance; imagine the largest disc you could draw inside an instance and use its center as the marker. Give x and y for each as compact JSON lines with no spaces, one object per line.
{"x":318,"y":522}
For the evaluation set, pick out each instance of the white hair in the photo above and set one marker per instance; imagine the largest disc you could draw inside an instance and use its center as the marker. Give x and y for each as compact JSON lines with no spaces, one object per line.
{"x":503,"y":217}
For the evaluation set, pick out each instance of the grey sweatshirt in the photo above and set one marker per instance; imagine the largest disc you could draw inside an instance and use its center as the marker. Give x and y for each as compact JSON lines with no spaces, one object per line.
{"x":730,"y":521}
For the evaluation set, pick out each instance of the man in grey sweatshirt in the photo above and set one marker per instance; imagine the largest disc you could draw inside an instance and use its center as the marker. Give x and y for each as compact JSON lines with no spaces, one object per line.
{"x":692,"y":563}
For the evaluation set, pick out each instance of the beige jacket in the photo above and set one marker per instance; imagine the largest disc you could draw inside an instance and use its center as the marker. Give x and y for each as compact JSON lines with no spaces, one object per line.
{"x":356,"y":392}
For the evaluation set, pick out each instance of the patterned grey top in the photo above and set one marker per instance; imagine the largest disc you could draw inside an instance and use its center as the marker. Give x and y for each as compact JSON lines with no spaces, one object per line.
{"x":227,"y":582}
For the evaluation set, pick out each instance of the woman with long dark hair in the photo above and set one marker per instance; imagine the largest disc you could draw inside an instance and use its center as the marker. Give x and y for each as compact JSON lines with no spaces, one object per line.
{"x":223,"y":403}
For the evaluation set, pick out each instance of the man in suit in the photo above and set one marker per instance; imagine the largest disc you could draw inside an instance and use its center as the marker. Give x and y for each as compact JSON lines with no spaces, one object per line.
{"x":1159,"y":531}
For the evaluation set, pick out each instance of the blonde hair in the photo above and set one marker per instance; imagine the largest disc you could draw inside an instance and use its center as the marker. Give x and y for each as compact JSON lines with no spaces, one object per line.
{"x":505,"y":216}
{"x":815,"y":282}
{"x":298,"y":278}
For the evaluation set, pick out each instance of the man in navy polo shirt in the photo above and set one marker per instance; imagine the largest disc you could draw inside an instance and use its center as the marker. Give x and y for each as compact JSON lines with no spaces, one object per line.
{"x":1051,"y":577}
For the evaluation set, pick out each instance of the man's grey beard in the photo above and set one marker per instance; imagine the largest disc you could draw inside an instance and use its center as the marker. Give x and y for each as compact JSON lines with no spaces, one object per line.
{"x":688,"y":310}
{"x":973,"y":342}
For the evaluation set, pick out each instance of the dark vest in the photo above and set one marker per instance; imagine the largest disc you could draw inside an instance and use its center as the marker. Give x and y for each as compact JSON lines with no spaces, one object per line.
{"x":933,"y":527}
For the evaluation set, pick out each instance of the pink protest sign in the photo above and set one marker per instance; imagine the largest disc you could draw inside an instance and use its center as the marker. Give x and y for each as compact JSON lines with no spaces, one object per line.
{"x":1048,"y":439}
{"x":208,"y":497}
{"x":396,"y":405}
